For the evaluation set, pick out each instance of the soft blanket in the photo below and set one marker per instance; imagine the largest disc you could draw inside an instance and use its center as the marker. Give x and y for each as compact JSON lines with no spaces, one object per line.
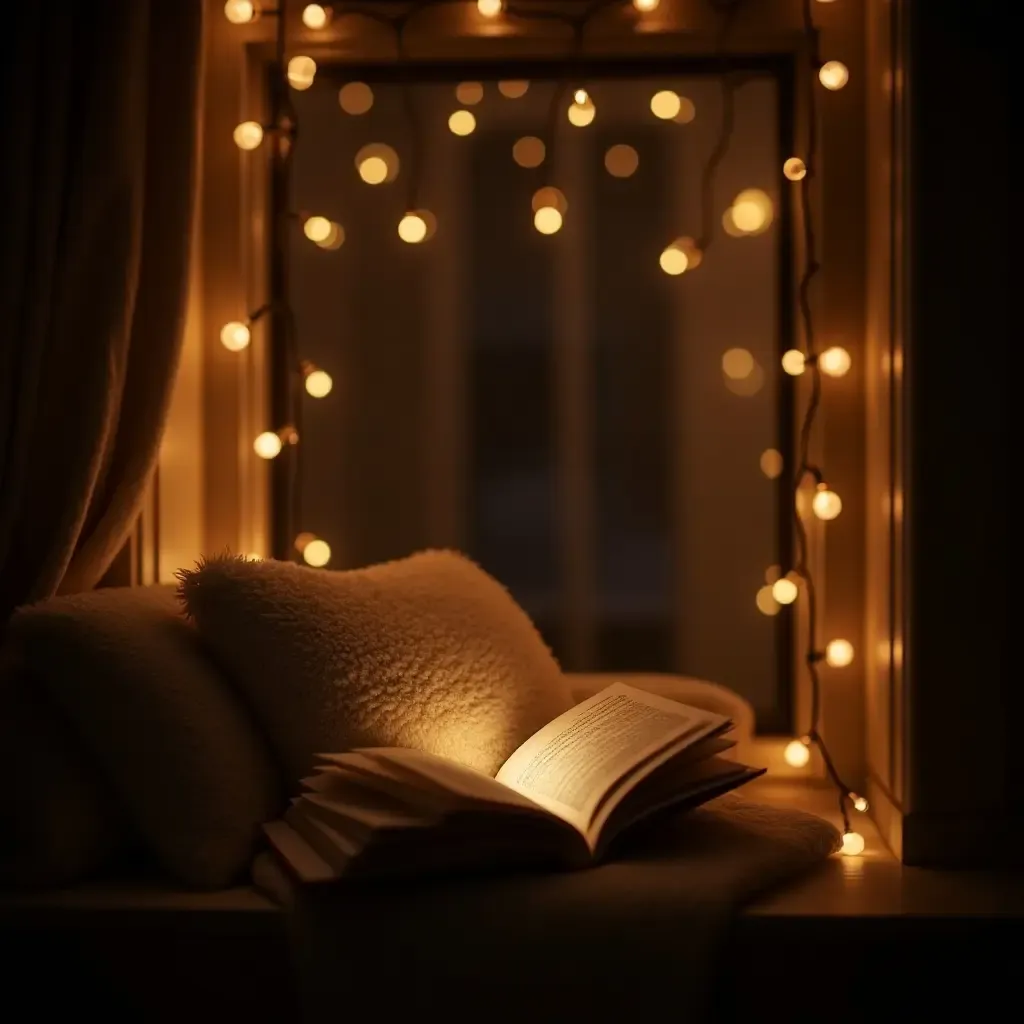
{"x":638,"y":936}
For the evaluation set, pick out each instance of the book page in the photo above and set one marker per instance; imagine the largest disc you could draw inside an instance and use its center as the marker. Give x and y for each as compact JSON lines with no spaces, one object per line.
{"x":571,"y":765}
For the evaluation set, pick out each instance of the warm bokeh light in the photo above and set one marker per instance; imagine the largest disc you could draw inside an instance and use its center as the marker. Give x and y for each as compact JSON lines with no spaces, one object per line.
{"x":673,"y":260}
{"x":317,"y":229}
{"x":248,"y":135}
{"x":853,"y":844}
{"x":318,"y":383}
{"x":793,"y":362}
{"x":303,"y":539}
{"x":315,"y":16}
{"x":771,"y":463}
{"x":835,"y":361}
{"x":621,"y":161}
{"x":644,"y":6}
{"x":513,"y":89}
{"x":581,"y":114}
{"x":462,"y":122}
{"x":490,"y":8}
{"x":549,"y":196}
{"x":547,"y":220}
{"x":316,"y":553}
{"x":772,"y":573}
{"x":268,"y":445}
{"x":355,"y":98}
{"x":240,"y":12}
{"x":683,"y":254}
{"x":839,"y":653}
{"x":826,"y":504}
{"x":665,"y":104}
{"x":687,"y":111}
{"x":796,"y":754}
{"x":794,"y":168}
{"x":301,"y":72}
{"x":784,"y":591}
{"x":751,"y":212}
{"x":528,"y":151}
{"x":335,"y":237}
{"x":766,"y":603}
{"x":859,"y":802}
{"x":737,"y":363}
{"x":373,"y":170}
{"x":833,"y":74}
{"x":377,"y":163}
{"x":412,"y":228}
{"x":469,"y":93}
{"x":235,"y":336}
{"x":580,"y":96}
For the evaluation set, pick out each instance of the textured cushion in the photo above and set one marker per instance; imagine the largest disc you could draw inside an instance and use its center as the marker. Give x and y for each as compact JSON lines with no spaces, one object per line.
{"x":426,"y":652}
{"x":59,"y":823}
{"x":176,"y":746}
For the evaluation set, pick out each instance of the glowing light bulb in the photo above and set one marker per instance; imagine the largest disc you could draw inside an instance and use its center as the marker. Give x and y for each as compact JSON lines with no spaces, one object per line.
{"x":373,"y":170}
{"x":580,"y":96}
{"x":835,"y":361}
{"x":833,"y":74}
{"x":314,"y":16}
{"x":318,"y":383}
{"x":317,"y":229}
{"x":317,"y":553}
{"x":646,"y":6}
{"x":793,"y":362}
{"x":794,"y":168}
{"x":234,"y":336}
{"x":673,"y":260}
{"x":859,"y":803}
{"x":826,"y":504}
{"x":665,"y":104}
{"x":248,"y":135}
{"x":784,"y":591}
{"x":547,"y":220}
{"x":412,"y":228}
{"x":490,"y":8}
{"x":796,"y":754}
{"x":581,"y":114}
{"x":839,"y":653}
{"x":240,"y":12}
{"x":853,"y":844}
{"x":268,"y":445}
{"x":301,"y":72}
{"x":462,"y":122}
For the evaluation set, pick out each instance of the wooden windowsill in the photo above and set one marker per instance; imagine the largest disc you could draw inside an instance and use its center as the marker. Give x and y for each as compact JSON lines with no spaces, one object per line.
{"x":872,"y":885}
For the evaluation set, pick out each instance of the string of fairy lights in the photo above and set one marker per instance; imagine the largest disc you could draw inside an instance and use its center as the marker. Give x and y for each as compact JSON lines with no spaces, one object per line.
{"x":750,"y":213}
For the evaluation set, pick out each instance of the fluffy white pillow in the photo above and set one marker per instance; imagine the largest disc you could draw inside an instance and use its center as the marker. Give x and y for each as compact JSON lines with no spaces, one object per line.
{"x":426,"y":652}
{"x":175,"y":744}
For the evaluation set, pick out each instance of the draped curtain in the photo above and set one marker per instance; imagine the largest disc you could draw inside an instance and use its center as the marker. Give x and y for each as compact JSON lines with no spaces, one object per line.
{"x":97,"y":178}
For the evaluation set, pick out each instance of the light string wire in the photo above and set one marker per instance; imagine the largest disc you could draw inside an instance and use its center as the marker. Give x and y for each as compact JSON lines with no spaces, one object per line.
{"x":285,"y":125}
{"x":805,"y":468}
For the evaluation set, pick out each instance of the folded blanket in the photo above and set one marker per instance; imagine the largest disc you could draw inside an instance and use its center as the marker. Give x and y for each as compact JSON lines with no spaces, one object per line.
{"x":639,"y":935}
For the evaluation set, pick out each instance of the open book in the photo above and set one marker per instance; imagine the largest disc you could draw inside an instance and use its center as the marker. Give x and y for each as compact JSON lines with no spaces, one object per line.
{"x":562,"y":799}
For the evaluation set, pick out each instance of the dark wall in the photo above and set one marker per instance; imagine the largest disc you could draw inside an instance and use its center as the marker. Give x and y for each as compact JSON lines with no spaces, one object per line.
{"x":964,"y":784}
